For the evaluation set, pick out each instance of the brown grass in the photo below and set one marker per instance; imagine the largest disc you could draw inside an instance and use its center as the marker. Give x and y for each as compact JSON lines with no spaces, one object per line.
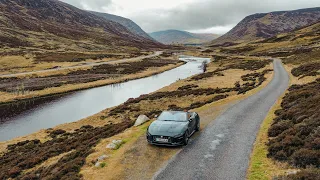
{"x":136,"y":159}
{"x":296,"y":80}
{"x":8,"y":63}
{"x":11,"y":64}
{"x":124,"y":160}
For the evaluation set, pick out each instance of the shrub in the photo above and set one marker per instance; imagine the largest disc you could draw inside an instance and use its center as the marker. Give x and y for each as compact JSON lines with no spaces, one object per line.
{"x":306,"y":157}
{"x":279,"y":127}
{"x":305,"y":174}
{"x":310,"y":69}
{"x":57,"y":132}
{"x":187,"y":87}
{"x":20,"y":157}
{"x":14,"y":172}
{"x":295,"y":132}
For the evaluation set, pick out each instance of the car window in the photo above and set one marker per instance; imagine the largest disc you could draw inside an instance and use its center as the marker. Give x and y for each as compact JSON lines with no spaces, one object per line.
{"x":173,"y":116}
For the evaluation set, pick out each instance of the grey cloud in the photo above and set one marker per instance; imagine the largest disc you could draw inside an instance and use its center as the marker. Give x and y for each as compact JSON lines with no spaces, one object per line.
{"x":96,"y":5}
{"x":206,"y":14}
{"x":201,"y":14}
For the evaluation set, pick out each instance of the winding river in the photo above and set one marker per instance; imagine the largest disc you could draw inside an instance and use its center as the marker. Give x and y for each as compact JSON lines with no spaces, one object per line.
{"x":84,"y":103}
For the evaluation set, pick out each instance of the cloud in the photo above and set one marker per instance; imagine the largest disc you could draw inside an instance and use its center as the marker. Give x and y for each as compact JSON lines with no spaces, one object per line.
{"x":205,"y":14}
{"x":216,"y":16}
{"x":215,"y":29}
{"x":94,"y":5}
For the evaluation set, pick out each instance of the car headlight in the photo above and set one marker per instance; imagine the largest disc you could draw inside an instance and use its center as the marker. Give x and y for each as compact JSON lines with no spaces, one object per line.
{"x":148,"y":134}
{"x":179,"y":135}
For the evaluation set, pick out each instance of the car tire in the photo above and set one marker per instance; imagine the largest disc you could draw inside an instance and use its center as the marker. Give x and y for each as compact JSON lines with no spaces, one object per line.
{"x":197,"y":126}
{"x":186,"y":138}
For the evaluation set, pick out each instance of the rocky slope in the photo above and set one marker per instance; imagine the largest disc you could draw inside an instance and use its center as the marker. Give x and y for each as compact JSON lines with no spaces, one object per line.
{"x":128,"y":23}
{"x":266,"y":25}
{"x":181,"y":37}
{"x":50,"y":24}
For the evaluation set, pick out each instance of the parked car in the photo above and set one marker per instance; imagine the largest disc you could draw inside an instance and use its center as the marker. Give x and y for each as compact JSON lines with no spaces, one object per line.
{"x":173,"y":128}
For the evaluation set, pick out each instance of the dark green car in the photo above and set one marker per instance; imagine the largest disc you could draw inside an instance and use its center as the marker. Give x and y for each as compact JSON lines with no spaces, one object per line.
{"x":173,"y":128}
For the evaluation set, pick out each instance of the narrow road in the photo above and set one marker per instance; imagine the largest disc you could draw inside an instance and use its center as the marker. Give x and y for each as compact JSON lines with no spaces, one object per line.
{"x":222,"y":150}
{"x":157,"y":53}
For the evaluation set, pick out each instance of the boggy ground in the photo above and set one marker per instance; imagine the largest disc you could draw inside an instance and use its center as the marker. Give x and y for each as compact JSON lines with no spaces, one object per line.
{"x":67,"y":155}
{"x":37,"y":85}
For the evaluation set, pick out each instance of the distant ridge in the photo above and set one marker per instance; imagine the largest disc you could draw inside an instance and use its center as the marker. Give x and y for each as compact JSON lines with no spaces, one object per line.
{"x":128,"y":23}
{"x":181,"y":37}
{"x":266,"y":25}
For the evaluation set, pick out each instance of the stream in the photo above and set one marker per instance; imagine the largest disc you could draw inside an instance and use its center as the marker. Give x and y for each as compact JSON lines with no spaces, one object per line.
{"x":81,"y":104}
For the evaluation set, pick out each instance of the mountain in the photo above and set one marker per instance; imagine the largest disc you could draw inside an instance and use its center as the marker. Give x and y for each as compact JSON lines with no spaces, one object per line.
{"x":298,"y":46}
{"x":181,"y":37}
{"x":128,"y":23}
{"x":52,"y":24}
{"x":266,"y":25}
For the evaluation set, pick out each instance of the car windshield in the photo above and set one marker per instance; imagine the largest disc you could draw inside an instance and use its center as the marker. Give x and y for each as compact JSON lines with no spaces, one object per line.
{"x":172,"y":116}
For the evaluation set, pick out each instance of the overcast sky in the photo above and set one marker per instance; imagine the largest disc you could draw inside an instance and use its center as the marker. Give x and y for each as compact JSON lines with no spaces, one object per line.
{"x":210,"y":16}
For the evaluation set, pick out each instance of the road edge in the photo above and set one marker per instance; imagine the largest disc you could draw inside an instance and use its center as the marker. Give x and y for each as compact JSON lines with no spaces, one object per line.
{"x":259,"y":163}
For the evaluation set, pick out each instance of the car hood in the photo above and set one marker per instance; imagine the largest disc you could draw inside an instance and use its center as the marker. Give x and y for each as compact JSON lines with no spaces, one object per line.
{"x":167,"y":128}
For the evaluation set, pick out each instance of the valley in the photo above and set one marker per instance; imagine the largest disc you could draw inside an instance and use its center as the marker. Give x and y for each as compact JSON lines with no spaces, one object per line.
{"x":42,"y":83}
{"x":170,"y":97}
{"x":29,"y":116}
{"x":73,"y":83}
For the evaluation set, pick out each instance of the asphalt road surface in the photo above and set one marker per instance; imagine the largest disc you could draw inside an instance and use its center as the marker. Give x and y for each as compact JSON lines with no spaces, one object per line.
{"x":157,"y":53}
{"x":222,"y":150}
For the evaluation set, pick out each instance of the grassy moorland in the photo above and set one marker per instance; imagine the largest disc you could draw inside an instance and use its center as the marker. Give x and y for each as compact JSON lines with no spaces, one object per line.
{"x":287,"y":146}
{"x":34,"y":61}
{"x":40,"y":84}
{"x":71,"y":150}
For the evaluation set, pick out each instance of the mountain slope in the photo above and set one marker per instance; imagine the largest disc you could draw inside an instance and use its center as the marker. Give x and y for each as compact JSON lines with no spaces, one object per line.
{"x":181,"y":37}
{"x":128,"y":23}
{"x":47,"y":23}
{"x":304,"y":43}
{"x":266,"y":25}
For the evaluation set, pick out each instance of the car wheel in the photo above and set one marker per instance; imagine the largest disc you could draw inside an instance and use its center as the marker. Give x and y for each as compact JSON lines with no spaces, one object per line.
{"x":198,"y":126}
{"x":186,"y":138}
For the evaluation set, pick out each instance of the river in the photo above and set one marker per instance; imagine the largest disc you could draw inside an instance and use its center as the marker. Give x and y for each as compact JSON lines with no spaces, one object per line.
{"x":84,"y":103}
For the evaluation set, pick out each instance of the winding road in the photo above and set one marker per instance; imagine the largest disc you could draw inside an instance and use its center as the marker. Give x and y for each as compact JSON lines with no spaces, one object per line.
{"x":222,"y":150}
{"x":157,"y":53}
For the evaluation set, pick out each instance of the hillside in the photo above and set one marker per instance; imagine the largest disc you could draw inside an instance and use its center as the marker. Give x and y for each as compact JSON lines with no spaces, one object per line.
{"x":54,"y":25}
{"x":128,"y":23}
{"x":266,"y":25}
{"x":301,"y":41}
{"x":181,"y":37}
